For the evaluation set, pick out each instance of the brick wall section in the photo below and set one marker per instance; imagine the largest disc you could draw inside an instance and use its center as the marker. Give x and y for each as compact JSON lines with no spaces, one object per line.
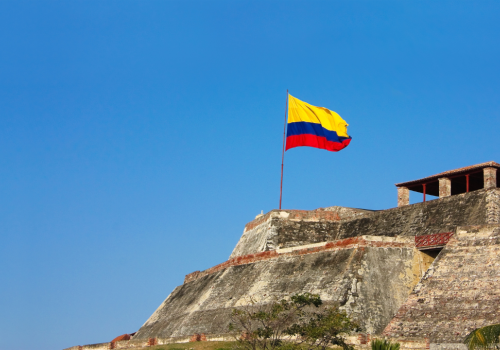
{"x":198,"y":337}
{"x":439,"y":215}
{"x":348,"y":243}
{"x":493,"y":207}
{"x":459,"y":293}
{"x":438,"y":239}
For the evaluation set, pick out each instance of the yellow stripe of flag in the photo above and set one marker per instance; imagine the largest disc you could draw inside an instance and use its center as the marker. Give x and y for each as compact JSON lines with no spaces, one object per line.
{"x":300,"y":111}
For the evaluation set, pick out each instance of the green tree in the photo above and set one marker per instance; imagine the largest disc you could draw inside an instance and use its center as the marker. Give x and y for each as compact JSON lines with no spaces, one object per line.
{"x":302,"y":322}
{"x":484,"y":338}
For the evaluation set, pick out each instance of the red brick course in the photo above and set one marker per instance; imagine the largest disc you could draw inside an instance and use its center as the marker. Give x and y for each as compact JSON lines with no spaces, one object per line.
{"x":257,"y":221}
{"x":198,"y":337}
{"x":272,"y":254}
{"x":312,"y":215}
{"x":437,"y":239}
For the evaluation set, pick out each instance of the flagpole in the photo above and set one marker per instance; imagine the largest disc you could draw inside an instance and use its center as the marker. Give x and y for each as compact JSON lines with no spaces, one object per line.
{"x":283,"y":154}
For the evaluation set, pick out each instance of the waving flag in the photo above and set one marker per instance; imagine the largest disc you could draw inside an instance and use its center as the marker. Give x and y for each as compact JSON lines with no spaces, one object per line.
{"x":315,"y":127}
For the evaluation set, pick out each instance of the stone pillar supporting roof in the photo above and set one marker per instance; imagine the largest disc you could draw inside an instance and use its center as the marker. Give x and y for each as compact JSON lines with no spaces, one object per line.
{"x":462,"y":180}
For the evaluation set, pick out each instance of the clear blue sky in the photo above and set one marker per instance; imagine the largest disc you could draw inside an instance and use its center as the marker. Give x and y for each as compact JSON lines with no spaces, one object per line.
{"x":138,"y":137}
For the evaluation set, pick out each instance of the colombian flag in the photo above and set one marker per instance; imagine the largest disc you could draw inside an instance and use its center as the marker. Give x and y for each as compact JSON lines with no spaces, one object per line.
{"x":315,"y":127}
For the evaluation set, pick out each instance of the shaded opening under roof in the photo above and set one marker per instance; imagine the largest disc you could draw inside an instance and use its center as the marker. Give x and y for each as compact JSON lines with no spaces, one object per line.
{"x":431,"y":188}
{"x":458,"y":181}
{"x":458,"y":184}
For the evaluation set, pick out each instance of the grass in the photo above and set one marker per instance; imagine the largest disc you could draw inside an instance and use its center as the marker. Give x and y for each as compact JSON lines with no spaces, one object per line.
{"x":199,"y":345}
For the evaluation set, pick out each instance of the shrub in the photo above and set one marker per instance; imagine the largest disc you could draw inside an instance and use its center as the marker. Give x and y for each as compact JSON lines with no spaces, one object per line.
{"x":299,"y":323}
{"x":379,"y":344}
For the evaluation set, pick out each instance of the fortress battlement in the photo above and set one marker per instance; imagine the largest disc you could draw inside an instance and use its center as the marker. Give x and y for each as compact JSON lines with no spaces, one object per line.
{"x":303,"y":232}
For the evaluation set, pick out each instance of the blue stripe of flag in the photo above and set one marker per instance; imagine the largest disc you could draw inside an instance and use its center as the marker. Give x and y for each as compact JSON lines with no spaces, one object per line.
{"x":300,"y":128}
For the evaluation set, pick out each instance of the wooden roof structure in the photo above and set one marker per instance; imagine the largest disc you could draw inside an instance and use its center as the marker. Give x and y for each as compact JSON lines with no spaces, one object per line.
{"x":463,"y":180}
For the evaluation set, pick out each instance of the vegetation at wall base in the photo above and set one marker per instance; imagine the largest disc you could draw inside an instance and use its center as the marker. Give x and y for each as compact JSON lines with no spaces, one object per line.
{"x":301,"y":323}
{"x":379,"y":344}
{"x":199,"y":345}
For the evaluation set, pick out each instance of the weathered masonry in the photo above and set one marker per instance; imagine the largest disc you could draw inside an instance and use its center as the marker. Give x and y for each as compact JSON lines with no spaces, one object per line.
{"x":425,"y":274}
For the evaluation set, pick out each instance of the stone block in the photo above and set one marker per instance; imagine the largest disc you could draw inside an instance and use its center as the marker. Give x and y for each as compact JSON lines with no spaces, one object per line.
{"x":490,"y":177}
{"x":444,"y":187}
{"x":403,"y":196}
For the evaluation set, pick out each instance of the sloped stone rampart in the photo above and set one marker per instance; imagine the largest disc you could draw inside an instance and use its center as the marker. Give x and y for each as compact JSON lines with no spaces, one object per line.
{"x":356,"y":242}
{"x":459,"y":293}
{"x":355,"y":278}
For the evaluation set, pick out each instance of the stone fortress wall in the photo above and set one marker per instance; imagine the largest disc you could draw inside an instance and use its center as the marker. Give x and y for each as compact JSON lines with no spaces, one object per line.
{"x":424,"y":274}
{"x":365,"y":261}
